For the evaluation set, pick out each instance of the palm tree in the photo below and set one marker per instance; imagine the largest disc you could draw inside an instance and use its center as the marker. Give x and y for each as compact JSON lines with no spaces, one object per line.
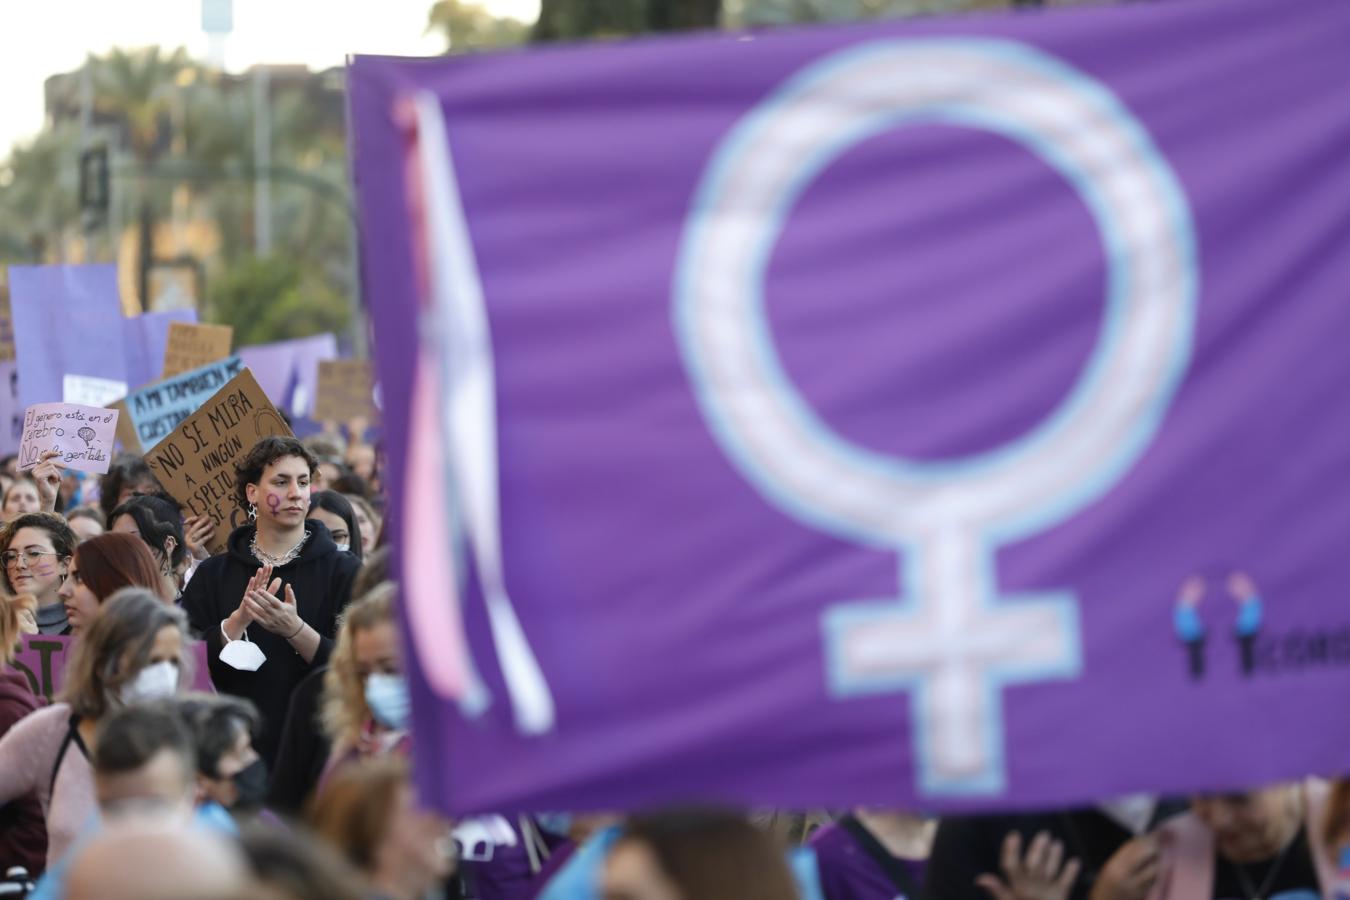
{"x":141,"y":87}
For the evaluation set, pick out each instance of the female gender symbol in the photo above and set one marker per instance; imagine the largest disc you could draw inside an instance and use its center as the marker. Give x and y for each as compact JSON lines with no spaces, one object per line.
{"x":949,"y":640}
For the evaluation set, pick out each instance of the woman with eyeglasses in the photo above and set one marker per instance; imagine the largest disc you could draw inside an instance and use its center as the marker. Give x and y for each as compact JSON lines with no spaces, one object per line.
{"x":137,"y":649}
{"x":35,"y":550}
{"x":103,"y":566}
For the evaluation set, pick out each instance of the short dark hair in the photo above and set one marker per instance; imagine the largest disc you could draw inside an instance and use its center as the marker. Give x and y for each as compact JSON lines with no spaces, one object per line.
{"x":340,"y":506}
{"x":63,"y":538}
{"x":249,"y":470}
{"x":158,"y":517}
{"x":127,"y":468}
{"x":215,"y":721}
{"x":136,"y":734}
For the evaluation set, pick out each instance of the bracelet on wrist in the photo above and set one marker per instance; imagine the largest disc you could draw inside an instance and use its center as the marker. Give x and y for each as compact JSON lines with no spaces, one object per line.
{"x":297,"y":631}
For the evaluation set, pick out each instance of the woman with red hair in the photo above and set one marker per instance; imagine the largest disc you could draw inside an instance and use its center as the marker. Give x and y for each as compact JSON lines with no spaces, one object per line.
{"x":100,"y":567}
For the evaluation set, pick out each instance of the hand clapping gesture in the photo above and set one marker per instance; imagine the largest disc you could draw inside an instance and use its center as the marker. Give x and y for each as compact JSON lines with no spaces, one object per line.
{"x":265,"y":604}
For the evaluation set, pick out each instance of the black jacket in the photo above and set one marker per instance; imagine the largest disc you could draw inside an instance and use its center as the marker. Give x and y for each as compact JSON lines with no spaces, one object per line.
{"x":322,"y":580}
{"x":968,"y":847}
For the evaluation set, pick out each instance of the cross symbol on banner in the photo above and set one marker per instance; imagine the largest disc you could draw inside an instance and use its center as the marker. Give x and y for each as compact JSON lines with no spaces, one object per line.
{"x":954,"y":646}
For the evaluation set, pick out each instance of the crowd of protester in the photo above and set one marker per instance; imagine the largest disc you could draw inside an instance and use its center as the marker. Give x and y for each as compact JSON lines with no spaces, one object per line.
{"x":292,"y":781}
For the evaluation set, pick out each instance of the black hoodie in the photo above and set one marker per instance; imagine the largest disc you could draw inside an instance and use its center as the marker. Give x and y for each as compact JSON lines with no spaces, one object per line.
{"x":322,"y":580}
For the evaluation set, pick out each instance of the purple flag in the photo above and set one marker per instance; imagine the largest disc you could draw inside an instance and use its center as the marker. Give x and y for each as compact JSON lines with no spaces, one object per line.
{"x":918,"y":415}
{"x":68,"y":334}
{"x":147,"y":336}
{"x":288,"y":371}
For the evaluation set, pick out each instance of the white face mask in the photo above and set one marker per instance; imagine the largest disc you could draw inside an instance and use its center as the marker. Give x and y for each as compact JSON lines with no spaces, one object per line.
{"x":243,"y":655}
{"x":152,"y":683}
{"x":344,"y":547}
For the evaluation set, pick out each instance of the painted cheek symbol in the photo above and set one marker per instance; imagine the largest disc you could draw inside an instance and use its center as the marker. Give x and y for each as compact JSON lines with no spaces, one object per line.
{"x":273,"y":503}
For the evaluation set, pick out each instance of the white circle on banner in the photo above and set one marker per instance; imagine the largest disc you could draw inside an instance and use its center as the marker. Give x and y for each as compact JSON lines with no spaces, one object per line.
{"x":1066,"y":119}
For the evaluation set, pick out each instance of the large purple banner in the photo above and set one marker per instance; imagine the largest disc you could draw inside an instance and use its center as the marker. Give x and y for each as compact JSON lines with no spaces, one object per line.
{"x":922,"y":415}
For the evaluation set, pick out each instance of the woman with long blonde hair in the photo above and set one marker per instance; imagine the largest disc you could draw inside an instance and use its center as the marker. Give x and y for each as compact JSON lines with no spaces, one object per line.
{"x":365,"y":706}
{"x":23,"y":836}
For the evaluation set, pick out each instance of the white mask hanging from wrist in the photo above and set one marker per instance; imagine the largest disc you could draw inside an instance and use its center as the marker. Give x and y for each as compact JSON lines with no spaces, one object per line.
{"x":242,"y":654}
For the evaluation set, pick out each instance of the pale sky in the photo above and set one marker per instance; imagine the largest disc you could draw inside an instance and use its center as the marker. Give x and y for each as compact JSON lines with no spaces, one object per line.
{"x":44,"y":37}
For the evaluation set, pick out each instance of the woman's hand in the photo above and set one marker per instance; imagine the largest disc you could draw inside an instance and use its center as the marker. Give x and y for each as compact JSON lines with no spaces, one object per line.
{"x":242,"y":617}
{"x":1040,"y":875}
{"x":197,"y":531}
{"x":47,"y":474}
{"x":273,"y":610}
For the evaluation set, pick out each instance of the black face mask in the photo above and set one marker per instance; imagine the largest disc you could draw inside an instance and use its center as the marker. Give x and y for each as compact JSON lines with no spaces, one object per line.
{"x":251,"y":784}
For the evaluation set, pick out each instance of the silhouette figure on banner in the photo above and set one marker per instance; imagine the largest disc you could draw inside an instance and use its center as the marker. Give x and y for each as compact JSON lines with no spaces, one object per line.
{"x":1190,"y":627}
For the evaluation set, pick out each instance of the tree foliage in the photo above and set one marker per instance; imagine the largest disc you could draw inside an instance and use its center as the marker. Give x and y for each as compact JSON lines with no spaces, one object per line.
{"x":181,"y":141}
{"x":274,"y":298}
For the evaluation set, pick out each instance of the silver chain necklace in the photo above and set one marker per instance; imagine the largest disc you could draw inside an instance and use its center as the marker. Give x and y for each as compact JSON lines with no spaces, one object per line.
{"x":275,"y":562}
{"x":1259,"y":893}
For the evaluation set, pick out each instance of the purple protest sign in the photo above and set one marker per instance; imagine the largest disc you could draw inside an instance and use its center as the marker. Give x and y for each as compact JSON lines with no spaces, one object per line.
{"x":837,"y":414}
{"x":83,"y":435}
{"x":147,"y":336}
{"x":288,"y":371}
{"x":42,"y":659}
{"x":68,"y":334}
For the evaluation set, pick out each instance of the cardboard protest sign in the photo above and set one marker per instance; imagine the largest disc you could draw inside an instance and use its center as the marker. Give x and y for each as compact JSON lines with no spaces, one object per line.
{"x":958,"y":413}
{"x":147,"y":338}
{"x":345,"y":391}
{"x":192,"y":346}
{"x":126,"y":430}
{"x":83,"y":434}
{"x":156,"y":409}
{"x":195,"y":463}
{"x":68,"y":334}
{"x":42,"y":660}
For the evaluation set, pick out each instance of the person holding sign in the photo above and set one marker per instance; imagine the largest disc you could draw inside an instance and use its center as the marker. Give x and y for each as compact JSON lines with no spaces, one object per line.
{"x":36,"y":549}
{"x":268,"y":606}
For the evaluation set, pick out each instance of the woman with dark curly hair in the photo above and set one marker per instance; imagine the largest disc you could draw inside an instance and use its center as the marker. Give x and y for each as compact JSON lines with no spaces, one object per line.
{"x":274,"y":596}
{"x":36,"y":549}
{"x":158,"y":521}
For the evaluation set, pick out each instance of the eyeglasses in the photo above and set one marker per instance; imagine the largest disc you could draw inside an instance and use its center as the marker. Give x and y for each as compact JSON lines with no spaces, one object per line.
{"x":32,"y":556}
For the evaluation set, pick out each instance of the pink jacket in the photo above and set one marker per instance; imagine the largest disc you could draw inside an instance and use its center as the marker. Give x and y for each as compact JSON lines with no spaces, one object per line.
{"x":1188,"y":851}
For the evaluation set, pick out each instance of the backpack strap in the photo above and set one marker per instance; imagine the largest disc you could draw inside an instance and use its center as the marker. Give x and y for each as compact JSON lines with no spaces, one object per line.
{"x":72,"y":734}
{"x":894,"y":868}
